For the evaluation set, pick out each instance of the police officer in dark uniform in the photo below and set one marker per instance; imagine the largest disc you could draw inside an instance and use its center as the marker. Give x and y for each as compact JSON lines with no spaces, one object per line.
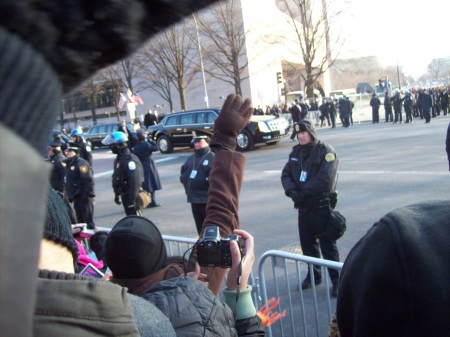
{"x":57,"y":177}
{"x":128,"y":173}
{"x":309,"y":179}
{"x":58,"y":139}
{"x":85,"y":150}
{"x":388,"y":116}
{"x":80,"y":185}
{"x":407,"y":104}
{"x":194,"y":176}
{"x":375,"y":104}
{"x":331,"y":108}
{"x":296,"y":115}
{"x":57,"y":159}
{"x":397,"y":102}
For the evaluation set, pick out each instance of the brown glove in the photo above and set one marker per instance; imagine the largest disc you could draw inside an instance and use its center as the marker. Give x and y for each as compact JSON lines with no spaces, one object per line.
{"x":233,"y":117}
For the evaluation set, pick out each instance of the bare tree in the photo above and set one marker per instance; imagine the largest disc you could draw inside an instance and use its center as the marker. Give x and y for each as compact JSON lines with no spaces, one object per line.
{"x":436,"y":67}
{"x":312,"y":22}
{"x":169,"y":60}
{"x":224,"y":46}
{"x":111,"y":76}
{"x":90,"y":89}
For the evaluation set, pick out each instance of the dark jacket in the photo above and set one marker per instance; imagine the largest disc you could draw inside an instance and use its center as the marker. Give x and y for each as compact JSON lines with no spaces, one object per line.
{"x":196,"y":187}
{"x":73,"y":305}
{"x":128,"y":174}
{"x":320,"y":162}
{"x":194,"y":311}
{"x":295,"y":113}
{"x":149,"y":120}
{"x":58,"y":172}
{"x":85,"y":151}
{"x":407,"y":103}
{"x":375,"y":103}
{"x":143,"y":150}
{"x":79,"y":179}
{"x":397,"y":102}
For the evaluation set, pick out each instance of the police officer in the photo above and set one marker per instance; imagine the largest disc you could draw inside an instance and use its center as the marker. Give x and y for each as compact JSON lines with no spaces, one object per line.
{"x":128,"y":173}
{"x":375,"y":104}
{"x":397,"y":102}
{"x":58,"y":139}
{"x":388,"y":116}
{"x":80,"y":185}
{"x":331,"y":109}
{"x":309,"y":179}
{"x":57,"y":159}
{"x":194,"y":176}
{"x":407,"y":104}
{"x":85,"y":150}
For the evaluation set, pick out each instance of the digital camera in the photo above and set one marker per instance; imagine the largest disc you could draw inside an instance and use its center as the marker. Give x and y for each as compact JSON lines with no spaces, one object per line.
{"x":214,"y":251}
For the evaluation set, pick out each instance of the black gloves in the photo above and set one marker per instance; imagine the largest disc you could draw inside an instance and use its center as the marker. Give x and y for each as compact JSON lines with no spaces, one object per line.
{"x":233,"y":117}
{"x":117,"y":200}
{"x":296,"y":198}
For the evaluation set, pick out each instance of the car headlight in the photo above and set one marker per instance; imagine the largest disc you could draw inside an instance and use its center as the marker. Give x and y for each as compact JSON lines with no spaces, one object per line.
{"x":263,"y":127}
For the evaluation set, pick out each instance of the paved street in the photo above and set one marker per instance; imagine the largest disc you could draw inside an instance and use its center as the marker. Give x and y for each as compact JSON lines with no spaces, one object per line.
{"x":381,"y":167}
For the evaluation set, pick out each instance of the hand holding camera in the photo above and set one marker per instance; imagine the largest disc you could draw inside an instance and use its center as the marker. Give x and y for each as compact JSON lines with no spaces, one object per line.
{"x":247,"y":259}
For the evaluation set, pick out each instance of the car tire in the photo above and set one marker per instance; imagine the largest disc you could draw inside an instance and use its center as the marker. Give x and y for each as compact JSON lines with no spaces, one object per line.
{"x":89,"y":143}
{"x":164,"y":145}
{"x":244,"y":141}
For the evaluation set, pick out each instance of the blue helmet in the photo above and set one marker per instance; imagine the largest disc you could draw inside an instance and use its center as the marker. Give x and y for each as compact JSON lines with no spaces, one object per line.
{"x":75,"y":133}
{"x":115,"y":138}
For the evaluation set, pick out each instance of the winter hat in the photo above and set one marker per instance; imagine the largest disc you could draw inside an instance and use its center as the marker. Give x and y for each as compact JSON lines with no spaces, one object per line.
{"x":135,"y":248}
{"x":395,"y":280}
{"x":57,"y":223}
{"x":305,"y":125}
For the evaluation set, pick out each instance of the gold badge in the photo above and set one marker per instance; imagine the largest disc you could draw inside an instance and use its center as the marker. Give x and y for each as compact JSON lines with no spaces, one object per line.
{"x":63,"y":164}
{"x":84,"y":169}
{"x":72,"y":168}
{"x":329,"y":157}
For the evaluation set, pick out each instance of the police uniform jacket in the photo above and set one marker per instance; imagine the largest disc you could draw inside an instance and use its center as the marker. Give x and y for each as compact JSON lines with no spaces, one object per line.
{"x":85,"y":152}
{"x":196,"y":187}
{"x":320,"y":162}
{"x":375,"y":102}
{"x":128,"y":174}
{"x":407,"y":103}
{"x":58,"y":172}
{"x":79,"y":179}
{"x":397,"y":102}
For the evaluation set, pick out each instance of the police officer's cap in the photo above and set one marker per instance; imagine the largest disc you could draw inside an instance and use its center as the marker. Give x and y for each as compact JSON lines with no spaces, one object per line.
{"x":199,"y":138}
{"x":71,"y":146}
{"x":54,"y":145}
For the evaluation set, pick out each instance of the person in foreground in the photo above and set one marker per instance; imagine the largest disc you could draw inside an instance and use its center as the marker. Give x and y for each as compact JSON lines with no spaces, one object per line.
{"x":395,"y":280}
{"x":68,"y":304}
{"x":43,"y":56}
{"x":136,"y":254}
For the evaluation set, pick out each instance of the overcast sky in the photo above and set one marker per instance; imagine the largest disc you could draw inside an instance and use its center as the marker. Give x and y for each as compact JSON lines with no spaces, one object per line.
{"x":407,"y":32}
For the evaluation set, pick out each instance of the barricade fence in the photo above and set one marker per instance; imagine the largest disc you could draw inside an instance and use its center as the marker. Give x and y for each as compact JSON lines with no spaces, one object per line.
{"x":309,"y":311}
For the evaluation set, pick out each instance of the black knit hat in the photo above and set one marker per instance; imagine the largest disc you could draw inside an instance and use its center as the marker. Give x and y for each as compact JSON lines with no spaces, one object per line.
{"x":135,"y":248}
{"x":57,"y":223}
{"x":396,"y":279}
{"x":306,"y":125}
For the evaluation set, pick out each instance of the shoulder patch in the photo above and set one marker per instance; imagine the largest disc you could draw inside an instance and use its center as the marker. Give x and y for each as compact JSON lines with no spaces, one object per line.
{"x":131,"y":165}
{"x":84,"y":169}
{"x":88,"y":148}
{"x":329,"y":157}
{"x":63,"y":164}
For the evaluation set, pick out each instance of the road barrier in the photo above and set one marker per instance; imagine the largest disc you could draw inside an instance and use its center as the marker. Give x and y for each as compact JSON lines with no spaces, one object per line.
{"x":308,"y":311}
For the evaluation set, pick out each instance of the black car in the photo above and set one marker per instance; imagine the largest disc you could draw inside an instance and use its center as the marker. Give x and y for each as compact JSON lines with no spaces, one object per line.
{"x":97,"y":133}
{"x":175,"y":130}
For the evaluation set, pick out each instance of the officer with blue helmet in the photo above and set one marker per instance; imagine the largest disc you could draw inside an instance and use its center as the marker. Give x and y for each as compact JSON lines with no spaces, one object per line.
{"x":85,"y":150}
{"x":128,"y":173}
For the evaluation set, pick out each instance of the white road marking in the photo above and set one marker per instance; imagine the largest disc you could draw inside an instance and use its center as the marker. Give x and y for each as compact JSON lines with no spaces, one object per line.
{"x":423,"y":173}
{"x":98,"y":175}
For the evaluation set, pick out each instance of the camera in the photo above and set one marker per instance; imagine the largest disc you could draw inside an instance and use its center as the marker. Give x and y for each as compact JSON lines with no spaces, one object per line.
{"x":214,"y":251}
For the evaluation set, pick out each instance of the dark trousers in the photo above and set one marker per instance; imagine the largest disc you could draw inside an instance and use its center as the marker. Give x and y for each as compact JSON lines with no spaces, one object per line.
{"x":84,"y":209}
{"x":199,"y":213}
{"x":333,"y":119}
{"x":388,"y":116}
{"x":408,"y":113}
{"x":312,"y":222}
{"x":398,"y":115}
{"x":322,"y":119}
{"x":126,"y":202}
{"x":375,"y":115}
{"x":426,"y":115}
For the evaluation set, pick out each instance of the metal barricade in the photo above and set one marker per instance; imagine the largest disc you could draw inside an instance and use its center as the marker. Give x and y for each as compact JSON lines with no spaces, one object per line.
{"x":308,"y":312}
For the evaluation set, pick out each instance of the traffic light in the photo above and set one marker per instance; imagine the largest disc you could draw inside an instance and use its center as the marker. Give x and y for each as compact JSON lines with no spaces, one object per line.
{"x":279,"y":79}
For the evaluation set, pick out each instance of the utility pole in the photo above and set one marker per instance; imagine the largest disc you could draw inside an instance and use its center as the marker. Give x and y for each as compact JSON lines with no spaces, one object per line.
{"x":201,"y":61}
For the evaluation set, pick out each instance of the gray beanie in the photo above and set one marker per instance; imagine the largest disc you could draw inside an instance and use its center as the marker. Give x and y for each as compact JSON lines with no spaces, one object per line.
{"x":305,"y":125}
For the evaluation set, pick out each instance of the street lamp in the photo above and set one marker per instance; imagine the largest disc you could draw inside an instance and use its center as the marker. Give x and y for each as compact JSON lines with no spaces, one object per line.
{"x":201,"y":61}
